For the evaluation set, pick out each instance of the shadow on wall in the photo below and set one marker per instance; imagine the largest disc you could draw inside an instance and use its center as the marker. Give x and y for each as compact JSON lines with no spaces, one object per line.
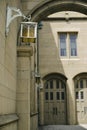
{"x":63,"y":127}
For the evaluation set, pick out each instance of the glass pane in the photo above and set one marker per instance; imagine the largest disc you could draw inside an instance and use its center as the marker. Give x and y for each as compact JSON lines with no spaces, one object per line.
{"x":73,"y":45}
{"x":31,"y":31}
{"x":57,"y":84}
{"x":81,"y":83}
{"x":25,"y":31}
{"x":62,"y":85}
{"x":77,"y":85}
{"x":51,"y":84}
{"x":51,"y":95}
{"x":62,"y":44}
{"x":46,"y":96}
{"x":62,"y":95}
{"x":82,"y":95}
{"x":77,"y":95}
{"x":58,"y":95}
{"x":46,"y":86}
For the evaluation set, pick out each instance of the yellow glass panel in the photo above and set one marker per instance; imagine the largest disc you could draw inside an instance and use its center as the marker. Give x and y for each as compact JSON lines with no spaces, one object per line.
{"x":25,"y":31}
{"x":28,"y":40}
{"x":31,"y":31}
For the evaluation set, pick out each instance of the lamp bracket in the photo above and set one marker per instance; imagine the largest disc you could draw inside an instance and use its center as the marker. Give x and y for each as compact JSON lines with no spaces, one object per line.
{"x":11,"y":16}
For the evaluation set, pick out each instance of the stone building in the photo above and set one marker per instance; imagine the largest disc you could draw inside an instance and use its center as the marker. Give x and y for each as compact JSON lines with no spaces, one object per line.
{"x":59,"y":57}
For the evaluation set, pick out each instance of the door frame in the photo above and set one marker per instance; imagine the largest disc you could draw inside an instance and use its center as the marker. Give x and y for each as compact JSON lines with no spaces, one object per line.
{"x":44,"y":80}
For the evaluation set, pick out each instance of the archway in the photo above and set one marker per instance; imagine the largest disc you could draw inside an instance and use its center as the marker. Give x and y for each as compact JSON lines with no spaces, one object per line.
{"x":80,"y":83}
{"x":48,"y":7}
{"x":55,"y":103}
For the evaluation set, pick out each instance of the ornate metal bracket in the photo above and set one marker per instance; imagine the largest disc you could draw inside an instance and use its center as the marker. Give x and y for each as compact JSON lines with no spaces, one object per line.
{"x":11,"y":16}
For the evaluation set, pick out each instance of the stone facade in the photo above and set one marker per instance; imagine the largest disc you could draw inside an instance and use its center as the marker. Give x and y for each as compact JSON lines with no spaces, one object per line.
{"x":18,"y":89}
{"x":8,"y":71}
{"x":52,"y":62}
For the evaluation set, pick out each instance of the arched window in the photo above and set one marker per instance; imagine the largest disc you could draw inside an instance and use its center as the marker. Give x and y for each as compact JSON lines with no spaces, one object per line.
{"x":81,"y":97}
{"x":55,"y":99}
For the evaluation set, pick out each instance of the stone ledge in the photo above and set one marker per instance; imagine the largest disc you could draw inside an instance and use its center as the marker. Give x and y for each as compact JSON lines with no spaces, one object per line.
{"x":24,"y":51}
{"x":7,"y":119}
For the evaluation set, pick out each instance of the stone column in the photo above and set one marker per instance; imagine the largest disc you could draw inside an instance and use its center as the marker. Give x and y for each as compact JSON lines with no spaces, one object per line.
{"x":24,"y":54}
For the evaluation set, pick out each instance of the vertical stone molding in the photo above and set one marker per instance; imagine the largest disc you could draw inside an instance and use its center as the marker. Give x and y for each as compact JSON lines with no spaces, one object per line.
{"x":41,"y":107}
{"x":24,"y":54}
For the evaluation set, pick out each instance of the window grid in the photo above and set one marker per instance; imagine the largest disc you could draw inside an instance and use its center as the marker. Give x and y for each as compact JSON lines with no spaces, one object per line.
{"x":68,"y":44}
{"x":80,"y":89}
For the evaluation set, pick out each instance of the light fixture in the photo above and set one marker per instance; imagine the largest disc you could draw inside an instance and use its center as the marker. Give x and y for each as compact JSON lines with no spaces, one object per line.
{"x":28,"y":32}
{"x":28,"y":29}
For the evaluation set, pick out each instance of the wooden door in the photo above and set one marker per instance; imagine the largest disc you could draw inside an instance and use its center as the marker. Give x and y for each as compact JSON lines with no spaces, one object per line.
{"x":55,"y":102}
{"x":81,"y":101}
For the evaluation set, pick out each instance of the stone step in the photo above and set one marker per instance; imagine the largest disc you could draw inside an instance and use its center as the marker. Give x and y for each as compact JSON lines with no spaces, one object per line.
{"x":63,"y":127}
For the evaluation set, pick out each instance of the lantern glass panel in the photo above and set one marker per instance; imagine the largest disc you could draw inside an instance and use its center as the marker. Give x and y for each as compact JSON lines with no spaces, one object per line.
{"x":25,"y":31}
{"x":31,"y":31}
{"x":28,"y":33}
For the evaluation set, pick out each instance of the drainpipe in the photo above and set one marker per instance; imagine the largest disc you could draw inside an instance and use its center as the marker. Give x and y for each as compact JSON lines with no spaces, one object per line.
{"x":37,"y":68}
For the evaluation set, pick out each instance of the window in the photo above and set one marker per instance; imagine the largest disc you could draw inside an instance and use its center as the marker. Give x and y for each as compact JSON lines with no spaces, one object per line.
{"x":77,"y":95}
{"x":68,"y":44}
{"x":81,"y":83}
{"x":63,"y":44}
{"x":46,"y":96}
{"x":51,"y":84}
{"x":58,"y":95}
{"x":46,"y":86}
{"x":81,"y":95}
{"x":62,"y":95}
{"x":57,"y":83}
{"x":73,"y":47}
{"x":51,"y":95}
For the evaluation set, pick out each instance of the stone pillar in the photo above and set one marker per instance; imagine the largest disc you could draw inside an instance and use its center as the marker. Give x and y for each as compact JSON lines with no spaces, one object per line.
{"x":24,"y":54}
{"x":71,"y":103}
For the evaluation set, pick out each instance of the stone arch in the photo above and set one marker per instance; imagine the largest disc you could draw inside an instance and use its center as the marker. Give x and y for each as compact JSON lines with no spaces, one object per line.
{"x":51,"y":75}
{"x":48,"y":7}
{"x":80,"y":86}
{"x":80,"y":75}
{"x":54,"y":95}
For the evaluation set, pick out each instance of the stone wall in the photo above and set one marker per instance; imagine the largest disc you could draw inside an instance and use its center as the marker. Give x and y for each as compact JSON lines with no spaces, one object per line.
{"x":51,"y":62}
{"x":8,"y":69}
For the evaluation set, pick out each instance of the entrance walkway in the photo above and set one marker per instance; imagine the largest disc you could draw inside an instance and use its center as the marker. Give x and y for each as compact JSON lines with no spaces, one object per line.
{"x":64,"y":127}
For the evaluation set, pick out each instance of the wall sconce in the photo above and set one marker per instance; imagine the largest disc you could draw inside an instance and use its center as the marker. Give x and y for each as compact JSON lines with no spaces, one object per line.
{"x":28,"y":29}
{"x":28,"y":32}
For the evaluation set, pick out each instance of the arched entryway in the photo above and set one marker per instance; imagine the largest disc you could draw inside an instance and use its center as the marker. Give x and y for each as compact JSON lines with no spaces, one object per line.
{"x":49,"y":7}
{"x":55,"y":103}
{"x":45,"y":8}
{"x":80,"y":81}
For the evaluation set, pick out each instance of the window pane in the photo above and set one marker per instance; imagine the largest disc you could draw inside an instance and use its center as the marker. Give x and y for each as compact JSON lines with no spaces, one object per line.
{"x":57,"y":84}
{"x":57,"y":95}
{"x":62,"y":85}
{"x":51,"y":95}
{"x":81,"y":95}
{"x":77,"y":95}
{"x":51,"y":84}
{"x":77,"y":85}
{"x":73,"y":46}
{"x":62,"y":95}
{"x":81,"y":83}
{"x":62,"y":44}
{"x":46,"y":96}
{"x":46,"y":86}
